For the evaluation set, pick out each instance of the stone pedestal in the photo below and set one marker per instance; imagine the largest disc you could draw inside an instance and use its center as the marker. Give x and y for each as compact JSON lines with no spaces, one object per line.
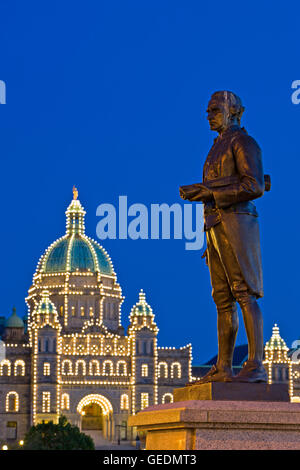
{"x":231,"y":391}
{"x":220,"y":425}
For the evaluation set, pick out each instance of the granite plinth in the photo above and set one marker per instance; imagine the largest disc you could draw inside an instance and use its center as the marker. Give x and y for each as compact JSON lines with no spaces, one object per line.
{"x":220,"y":425}
{"x":231,"y":391}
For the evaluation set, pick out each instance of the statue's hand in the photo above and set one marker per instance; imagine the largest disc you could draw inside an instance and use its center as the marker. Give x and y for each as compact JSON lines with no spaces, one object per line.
{"x":196,"y":192}
{"x":187,"y":192}
{"x":206,"y":195}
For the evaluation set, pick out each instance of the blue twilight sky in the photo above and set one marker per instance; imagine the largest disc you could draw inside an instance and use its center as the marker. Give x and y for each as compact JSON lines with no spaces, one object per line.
{"x":111,"y":96}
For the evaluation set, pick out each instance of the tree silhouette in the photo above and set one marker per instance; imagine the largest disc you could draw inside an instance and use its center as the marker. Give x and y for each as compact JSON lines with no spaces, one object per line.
{"x":61,"y":436}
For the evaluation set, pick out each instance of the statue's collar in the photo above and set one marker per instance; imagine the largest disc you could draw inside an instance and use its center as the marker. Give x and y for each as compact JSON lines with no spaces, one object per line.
{"x":229,"y":130}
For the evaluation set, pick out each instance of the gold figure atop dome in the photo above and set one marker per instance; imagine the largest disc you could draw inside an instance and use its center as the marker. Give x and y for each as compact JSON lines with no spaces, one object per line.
{"x":75,"y":193}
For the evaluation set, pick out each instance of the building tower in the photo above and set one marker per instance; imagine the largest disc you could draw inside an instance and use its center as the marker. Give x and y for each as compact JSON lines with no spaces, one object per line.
{"x":277,"y":362}
{"x":142,"y":334}
{"x":46,"y":350}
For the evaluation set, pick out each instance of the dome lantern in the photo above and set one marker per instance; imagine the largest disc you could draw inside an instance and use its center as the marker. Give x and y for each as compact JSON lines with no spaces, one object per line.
{"x":276,"y":348}
{"x":75,"y":215}
{"x":142,"y":316}
{"x":75,"y":251}
{"x":141,"y":307}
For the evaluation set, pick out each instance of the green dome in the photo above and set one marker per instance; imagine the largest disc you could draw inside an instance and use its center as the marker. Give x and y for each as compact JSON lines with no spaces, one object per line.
{"x":14,"y":321}
{"x":45,"y":305}
{"x":75,"y":251}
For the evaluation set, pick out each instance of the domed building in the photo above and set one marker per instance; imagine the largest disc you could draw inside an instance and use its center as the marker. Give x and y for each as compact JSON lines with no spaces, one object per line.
{"x":75,"y":358}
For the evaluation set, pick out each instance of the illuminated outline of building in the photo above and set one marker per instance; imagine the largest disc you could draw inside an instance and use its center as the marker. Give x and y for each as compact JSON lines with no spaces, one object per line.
{"x":75,"y":355}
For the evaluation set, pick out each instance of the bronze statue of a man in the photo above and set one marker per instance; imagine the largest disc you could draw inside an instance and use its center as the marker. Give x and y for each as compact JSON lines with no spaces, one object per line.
{"x":232,"y":178}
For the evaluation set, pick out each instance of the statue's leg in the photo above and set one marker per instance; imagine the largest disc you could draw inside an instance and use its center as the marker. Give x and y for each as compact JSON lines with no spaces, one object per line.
{"x":227,"y":316}
{"x":254,"y":327}
{"x":228,"y":323}
{"x":253,"y":371}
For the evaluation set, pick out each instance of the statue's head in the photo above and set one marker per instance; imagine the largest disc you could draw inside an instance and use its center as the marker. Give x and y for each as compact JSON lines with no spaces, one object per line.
{"x":224,"y":109}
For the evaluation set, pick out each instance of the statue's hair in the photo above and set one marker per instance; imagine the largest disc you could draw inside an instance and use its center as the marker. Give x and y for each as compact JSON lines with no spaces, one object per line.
{"x":231,"y":101}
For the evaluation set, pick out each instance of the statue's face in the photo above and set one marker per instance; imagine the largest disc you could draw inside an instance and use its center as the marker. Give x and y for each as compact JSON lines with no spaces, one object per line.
{"x":216,"y":115}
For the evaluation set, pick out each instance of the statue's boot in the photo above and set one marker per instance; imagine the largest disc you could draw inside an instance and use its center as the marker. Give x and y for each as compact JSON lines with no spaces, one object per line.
{"x":252,"y":372}
{"x":227,"y":331}
{"x":253,"y":369}
{"x":215,"y":375}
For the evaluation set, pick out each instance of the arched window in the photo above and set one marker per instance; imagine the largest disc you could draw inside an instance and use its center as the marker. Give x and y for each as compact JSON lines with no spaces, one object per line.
{"x":163,"y":370}
{"x":80,"y":367}
{"x":46,"y":345}
{"x":65,"y":401}
{"x":66,"y":367}
{"x":176,"y":370}
{"x":167,"y":398}
{"x":12,"y":402}
{"x":121,"y":368}
{"x":108,"y":368}
{"x":5,"y":367}
{"x":124,"y":402}
{"x":46,"y":368}
{"x":19,"y":367}
{"x":145,"y":349}
{"x":94,"y":367}
{"x":145,"y":370}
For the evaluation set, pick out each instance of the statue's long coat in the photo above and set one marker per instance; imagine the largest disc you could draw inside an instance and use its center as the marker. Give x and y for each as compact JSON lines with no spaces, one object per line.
{"x":234,"y":172}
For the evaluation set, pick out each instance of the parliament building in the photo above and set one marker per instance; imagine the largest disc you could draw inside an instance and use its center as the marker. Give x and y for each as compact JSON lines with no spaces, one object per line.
{"x":71,"y":356}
